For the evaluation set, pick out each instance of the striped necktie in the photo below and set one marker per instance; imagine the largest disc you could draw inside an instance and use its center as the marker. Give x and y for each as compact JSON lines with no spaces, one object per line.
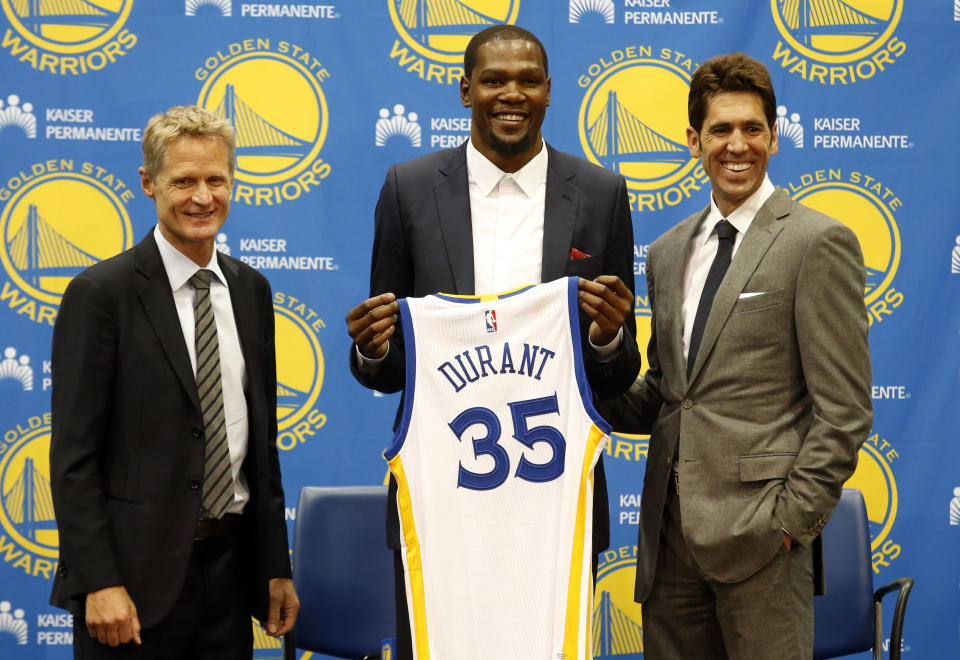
{"x":217,"y":470}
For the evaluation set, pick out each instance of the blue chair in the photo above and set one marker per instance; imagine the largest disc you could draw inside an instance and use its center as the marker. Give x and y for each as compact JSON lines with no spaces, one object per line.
{"x":848,"y":619}
{"x":343,"y":573}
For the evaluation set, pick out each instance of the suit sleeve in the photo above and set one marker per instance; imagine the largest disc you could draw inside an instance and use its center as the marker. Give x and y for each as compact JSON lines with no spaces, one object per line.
{"x":831,"y":327}
{"x":611,"y":378}
{"x":278,"y":560}
{"x":637,"y":409}
{"x":83,"y":358}
{"x":390,"y":271}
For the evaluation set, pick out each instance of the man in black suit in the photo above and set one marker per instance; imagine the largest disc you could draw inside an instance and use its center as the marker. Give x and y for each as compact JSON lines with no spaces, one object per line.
{"x":164,"y":465}
{"x":502,"y":210}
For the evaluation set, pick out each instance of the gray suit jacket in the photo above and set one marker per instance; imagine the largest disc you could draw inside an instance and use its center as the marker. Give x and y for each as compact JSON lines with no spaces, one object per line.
{"x":770,"y":421}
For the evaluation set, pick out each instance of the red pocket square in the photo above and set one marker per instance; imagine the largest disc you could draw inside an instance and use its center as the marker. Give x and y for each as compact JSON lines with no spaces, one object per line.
{"x":577,"y":254}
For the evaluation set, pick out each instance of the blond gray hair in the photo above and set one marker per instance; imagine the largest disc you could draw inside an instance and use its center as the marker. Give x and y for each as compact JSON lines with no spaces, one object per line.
{"x":181,"y":121}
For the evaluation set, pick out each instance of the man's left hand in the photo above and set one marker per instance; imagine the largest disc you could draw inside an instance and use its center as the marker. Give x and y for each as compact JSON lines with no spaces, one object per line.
{"x":608,"y":302}
{"x":284,"y":606}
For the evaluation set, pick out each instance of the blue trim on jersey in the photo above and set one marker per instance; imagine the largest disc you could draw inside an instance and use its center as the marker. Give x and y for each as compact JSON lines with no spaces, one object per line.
{"x":586,"y":394}
{"x":410,"y":346}
{"x":472,"y":299}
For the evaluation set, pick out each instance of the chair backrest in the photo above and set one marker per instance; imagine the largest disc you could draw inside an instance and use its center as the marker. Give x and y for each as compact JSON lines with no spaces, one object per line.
{"x":844,"y":620}
{"x":343,"y":571}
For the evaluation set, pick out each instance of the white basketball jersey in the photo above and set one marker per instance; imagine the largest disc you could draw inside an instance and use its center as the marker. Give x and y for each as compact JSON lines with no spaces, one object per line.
{"x":494,"y":459}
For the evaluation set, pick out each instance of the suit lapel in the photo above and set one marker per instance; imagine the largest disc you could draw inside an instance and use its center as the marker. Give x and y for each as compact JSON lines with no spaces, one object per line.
{"x":559,"y":215}
{"x":670,"y":303}
{"x":760,"y":235}
{"x":157,"y":301}
{"x":452,"y":194}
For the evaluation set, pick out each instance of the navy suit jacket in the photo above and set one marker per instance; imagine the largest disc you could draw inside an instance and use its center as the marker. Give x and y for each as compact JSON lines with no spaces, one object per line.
{"x":126,"y":456}
{"x":423,"y":244}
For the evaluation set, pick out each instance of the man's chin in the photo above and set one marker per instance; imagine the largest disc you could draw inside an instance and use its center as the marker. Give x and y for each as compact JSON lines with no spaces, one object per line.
{"x":512,"y":147}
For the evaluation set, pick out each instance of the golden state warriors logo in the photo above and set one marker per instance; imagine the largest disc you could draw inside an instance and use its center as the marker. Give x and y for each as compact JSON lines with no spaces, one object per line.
{"x":434,"y":33}
{"x":270,"y":90}
{"x":60,"y":217}
{"x":874,"y":478}
{"x":67,"y":36}
{"x":28,"y":530}
{"x":645,"y":142}
{"x":867,"y":206}
{"x":300,"y":368}
{"x":837,"y":41}
{"x":617,"y":621}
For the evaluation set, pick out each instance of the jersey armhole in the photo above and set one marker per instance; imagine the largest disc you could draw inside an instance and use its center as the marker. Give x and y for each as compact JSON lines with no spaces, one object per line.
{"x":410,"y":348}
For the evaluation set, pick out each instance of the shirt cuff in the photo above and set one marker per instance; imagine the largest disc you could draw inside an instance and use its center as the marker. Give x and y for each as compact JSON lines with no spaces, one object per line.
{"x":609,"y":351}
{"x":365,"y":365}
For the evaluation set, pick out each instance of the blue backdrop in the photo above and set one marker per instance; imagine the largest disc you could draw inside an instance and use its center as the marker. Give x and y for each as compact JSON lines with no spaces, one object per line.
{"x":326,"y":96}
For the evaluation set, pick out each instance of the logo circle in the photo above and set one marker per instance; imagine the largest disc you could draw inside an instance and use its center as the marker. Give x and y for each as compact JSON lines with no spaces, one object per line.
{"x":278,"y":110}
{"x":872,"y":222}
{"x":463,"y":20}
{"x":25,"y":494}
{"x":874,"y":478}
{"x":69,"y":27}
{"x":847,"y":34}
{"x":650,"y":152}
{"x":300,"y":368}
{"x":41,"y":232}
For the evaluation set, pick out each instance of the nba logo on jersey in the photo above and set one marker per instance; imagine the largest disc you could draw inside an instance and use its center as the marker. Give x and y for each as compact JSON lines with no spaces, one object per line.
{"x":490,"y":316}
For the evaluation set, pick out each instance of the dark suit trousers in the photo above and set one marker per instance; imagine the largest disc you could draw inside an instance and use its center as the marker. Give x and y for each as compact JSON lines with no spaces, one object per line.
{"x":688,"y":616}
{"x":209,"y":621}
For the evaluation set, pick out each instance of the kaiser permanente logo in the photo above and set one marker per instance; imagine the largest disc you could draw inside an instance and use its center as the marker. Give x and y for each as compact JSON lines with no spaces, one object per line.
{"x":65,"y":37}
{"x":273,"y":9}
{"x":867,"y":205}
{"x":28,"y":531}
{"x":434,"y":33}
{"x":300,"y":370}
{"x":62,"y":123}
{"x":836,"y":132}
{"x":645,"y":142}
{"x":837,"y":42}
{"x":57,"y":217}
{"x":271,"y":91}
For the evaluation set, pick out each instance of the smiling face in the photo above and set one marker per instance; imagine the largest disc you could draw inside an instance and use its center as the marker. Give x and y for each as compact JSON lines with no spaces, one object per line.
{"x":192,"y":194}
{"x":509,"y":92}
{"x":735,"y":143}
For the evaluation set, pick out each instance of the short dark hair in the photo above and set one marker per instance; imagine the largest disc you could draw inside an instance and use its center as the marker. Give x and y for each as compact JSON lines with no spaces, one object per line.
{"x":732,"y":72}
{"x":499,"y":33}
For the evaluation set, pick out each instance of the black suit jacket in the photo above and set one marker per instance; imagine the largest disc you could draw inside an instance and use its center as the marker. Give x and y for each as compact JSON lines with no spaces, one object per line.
{"x":423,"y":244}
{"x":126,"y":456}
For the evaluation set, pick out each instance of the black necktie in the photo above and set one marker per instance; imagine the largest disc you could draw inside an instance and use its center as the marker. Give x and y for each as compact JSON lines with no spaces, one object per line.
{"x":726,"y":233}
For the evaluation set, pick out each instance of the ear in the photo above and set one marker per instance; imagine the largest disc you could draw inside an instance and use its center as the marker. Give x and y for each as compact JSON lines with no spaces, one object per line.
{"x":774,"y":140}
{"x":548,"y":91}
{"x":146,"y":183}
{"x":693,"y":142}
{"x":465,"y":92}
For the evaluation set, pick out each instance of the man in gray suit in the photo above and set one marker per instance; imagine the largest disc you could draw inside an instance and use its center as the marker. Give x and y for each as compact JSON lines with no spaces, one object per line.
{"x":756,"y":394}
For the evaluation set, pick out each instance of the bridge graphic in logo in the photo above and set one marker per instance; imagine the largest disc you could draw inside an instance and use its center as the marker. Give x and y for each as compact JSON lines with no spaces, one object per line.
{"x":38,"y":250}
{"x":39,"y":15}
{"x":615,"y":634}
{"x":255,"y":135}
{"x":808,"y":19}
{"x":28,"y":503}
{"x":425,"y":19}
{"x":618,"y":136}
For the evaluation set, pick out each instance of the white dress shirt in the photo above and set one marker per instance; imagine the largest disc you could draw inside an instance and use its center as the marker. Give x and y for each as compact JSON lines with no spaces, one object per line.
{"x":233,"y":374}
{"x":704,"y":249}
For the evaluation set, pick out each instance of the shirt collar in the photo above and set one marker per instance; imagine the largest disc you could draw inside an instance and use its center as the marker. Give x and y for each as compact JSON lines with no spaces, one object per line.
{"x":179,"y":267}
{"x":487,"y":175}
{"x":743,"y":215}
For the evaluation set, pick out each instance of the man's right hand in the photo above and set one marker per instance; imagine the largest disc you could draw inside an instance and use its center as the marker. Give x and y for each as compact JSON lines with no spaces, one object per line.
{"x":112,"y":616}
{"x":372,"y":323}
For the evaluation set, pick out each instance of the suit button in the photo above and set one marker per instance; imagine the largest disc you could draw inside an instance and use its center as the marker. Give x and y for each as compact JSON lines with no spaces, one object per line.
{"x":197,"y":432}
{"x":687,"y":404}
{"x":194,"y":484}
